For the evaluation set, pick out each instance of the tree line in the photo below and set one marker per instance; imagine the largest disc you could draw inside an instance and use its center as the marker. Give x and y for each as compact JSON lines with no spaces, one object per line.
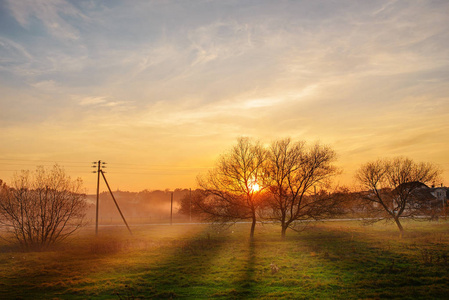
{"x":143,"y":206}
{"x":287,"y":182}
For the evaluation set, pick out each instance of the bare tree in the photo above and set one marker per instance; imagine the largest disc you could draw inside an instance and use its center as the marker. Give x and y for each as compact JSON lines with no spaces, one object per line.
{"x":42,"y":208}
{"x":191,"y":204}
{"x":393,"y":186}
{"x":294,"y":173}
{"x":233,"y":187}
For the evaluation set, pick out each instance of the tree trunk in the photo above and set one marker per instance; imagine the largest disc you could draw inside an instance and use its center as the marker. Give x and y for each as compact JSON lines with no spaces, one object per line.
{"x":253,"y":227}
{"x":398,"y":223}
{"x":283,"y":230}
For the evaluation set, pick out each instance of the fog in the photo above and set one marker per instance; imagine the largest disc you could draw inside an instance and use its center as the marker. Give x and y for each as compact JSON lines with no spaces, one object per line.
{"x":137,"y":207}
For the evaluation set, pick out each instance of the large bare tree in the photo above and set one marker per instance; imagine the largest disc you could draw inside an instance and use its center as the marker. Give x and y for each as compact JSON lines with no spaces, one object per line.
{"x":297,"y":175}
{"x":42,"y":207}
{"x":393,"y":188}
{"x":232,"y":189}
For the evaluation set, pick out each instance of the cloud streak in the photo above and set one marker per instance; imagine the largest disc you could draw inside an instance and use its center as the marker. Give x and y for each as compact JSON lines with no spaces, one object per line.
{"x":52,"y":14}
{"x":366,"y":77}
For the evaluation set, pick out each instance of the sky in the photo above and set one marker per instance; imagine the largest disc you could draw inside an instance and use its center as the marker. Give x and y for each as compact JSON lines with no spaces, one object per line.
{"x":159,"y":89}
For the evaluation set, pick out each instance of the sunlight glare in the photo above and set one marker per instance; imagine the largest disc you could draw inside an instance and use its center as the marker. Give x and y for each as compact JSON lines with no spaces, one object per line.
{"x":254,"y":186}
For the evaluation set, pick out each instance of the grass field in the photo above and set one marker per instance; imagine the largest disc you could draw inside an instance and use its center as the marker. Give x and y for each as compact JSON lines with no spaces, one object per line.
{"x":334,"y":260}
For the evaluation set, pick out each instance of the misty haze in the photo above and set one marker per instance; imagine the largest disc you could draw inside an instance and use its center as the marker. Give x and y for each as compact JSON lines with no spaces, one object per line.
{"x":224,"y":149}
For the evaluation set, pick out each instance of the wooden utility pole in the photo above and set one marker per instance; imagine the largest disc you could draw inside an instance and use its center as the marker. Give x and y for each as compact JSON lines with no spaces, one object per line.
{"x":171,"y":209}
{"x":98,"y":194}
{"x":99,"y":165}
{"x":190,"y":205}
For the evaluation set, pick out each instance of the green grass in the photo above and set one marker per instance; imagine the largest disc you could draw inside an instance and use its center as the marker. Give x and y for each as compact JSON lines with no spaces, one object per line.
{"x":335,"y":260}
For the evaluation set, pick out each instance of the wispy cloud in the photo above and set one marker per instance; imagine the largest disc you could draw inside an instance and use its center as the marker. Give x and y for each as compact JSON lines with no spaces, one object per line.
{"x":93,"y":100}
{"x":358,"y":75}
{"x":219,"y":40}
{"x":51,"y":13}
{"x":11,"y":49}
{"x":46,"y":85}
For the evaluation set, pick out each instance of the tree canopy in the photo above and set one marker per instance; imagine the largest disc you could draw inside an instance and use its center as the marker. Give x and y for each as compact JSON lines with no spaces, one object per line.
{"x":42,"y":207}
{"x":392,"y":186}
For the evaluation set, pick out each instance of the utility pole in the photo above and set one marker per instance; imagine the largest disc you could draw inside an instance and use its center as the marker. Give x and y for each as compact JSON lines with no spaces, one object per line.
{"x":171,"y":209}
{"x":190,"y":205}
{"x":99,"y":165}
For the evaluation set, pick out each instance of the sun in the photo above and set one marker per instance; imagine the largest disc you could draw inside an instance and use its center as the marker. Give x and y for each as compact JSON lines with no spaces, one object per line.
{"x":254,"y":186}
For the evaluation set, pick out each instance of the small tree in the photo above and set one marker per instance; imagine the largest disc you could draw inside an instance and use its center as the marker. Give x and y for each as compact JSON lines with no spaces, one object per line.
{"x":392,"y":188}
{"x":42,"y":208}
{"x":191,"y":203}
{"x":233,"y":188}
{"x":294,"y":173}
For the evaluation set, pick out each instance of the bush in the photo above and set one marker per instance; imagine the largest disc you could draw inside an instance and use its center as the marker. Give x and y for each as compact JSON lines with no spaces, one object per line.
{"x":42,"y":207}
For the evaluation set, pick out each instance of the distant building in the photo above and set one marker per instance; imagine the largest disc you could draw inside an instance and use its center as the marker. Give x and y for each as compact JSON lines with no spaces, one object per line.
{"x":430,"y":197}
{"x":434,"y":196}
{"x":441,"y":194}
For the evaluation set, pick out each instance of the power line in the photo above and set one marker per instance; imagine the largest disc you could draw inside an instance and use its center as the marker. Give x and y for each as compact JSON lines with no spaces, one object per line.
{"x":45,"y":161}
{"x":81,"y":164}
{"x":157,"y":167}
{"x":42,"y":165}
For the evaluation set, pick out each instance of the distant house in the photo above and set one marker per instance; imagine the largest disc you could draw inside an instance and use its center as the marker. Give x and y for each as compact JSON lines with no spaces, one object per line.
{"x":441,"y":194}
{"x":433,"y":197}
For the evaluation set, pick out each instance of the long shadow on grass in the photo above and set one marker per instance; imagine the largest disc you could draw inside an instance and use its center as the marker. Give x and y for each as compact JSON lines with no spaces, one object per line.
{"x":246,"y":284}
{"x":179,"y":268}
{"x":40,"y":275}
{"x":238,"y":268}
{"x":185,"y":268}
{"x":356,"y":267}
{"x":206,"y":267}
{"x":186,"y":273}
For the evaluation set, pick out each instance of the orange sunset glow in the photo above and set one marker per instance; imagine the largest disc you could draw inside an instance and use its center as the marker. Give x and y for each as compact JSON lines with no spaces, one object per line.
{"x":159,"y":89}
